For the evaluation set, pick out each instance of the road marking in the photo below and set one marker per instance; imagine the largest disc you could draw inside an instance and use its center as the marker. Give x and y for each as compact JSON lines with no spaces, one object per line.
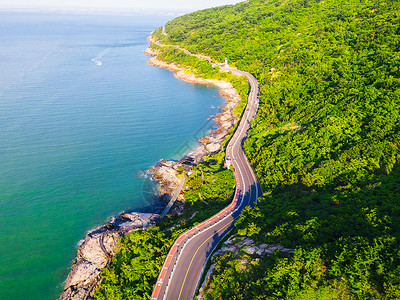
{"x":251,"y":100}
{"x":187,"y":272}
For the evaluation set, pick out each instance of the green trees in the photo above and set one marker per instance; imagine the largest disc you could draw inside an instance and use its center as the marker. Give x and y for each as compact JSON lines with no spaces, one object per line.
{"x":325,"y":143}
{"x":135,"y":269}
{"x":325,"y":146}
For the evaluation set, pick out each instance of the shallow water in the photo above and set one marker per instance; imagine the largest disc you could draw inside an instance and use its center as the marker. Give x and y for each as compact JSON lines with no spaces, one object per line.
{"x":81,"y":114}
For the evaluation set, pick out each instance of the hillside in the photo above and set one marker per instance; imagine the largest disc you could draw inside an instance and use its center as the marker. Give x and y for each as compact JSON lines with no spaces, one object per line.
{"x":325,"y":144}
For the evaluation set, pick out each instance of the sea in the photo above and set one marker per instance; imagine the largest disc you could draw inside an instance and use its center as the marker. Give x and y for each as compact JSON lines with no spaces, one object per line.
{"x":82,"y":117}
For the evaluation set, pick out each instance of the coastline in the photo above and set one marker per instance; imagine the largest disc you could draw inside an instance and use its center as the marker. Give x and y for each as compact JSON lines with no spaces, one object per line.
{"x":166,"y":170}
{"x":98,"y":247}
{"x":224,"y":120}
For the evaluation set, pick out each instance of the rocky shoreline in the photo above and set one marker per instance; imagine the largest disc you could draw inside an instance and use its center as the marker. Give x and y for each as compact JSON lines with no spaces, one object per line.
{"x":96,"y":249}
{"x":99,"y":244}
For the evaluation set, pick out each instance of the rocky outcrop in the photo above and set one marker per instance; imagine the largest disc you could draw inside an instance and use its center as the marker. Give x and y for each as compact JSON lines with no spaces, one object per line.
{"x":150,"y":51}
{"x":95,"y":251}
{"x":239,"y":246}
{"x":165,"y":173}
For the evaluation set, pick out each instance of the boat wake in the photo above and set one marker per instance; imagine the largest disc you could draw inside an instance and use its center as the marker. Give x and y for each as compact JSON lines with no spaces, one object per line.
{"x":97,"y":59}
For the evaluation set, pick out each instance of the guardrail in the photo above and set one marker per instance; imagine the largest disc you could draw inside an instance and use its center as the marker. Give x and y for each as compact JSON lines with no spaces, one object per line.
{"x":179,"y":244}
{"x":177,"y":247}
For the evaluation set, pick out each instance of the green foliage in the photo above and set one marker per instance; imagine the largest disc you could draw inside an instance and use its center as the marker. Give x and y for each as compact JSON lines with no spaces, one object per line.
{"x":205,"y":70}
{"x":158,"y":34}
{"x":325,"y":146}
{"x":325,"y":143}
{"x":134,"y":271}
{"x":355,"y":232}
{"x":209,"y":188}
{"x":215,"y":183}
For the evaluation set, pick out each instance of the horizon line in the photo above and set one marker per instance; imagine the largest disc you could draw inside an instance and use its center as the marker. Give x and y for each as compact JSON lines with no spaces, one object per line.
{"x":91,"y":11}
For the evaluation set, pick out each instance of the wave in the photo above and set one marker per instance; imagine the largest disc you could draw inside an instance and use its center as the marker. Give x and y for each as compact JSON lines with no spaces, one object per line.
{"x":97,"y":59}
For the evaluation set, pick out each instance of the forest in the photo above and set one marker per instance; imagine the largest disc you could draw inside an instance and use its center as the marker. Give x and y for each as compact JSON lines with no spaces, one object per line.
{"x":134,"y":270}
{"x":324,"y":145}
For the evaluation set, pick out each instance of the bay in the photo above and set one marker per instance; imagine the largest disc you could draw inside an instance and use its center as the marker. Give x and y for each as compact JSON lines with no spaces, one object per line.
{"x":81,"y":115}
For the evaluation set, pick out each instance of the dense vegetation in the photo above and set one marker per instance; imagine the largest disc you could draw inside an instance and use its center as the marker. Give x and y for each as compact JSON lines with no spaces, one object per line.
{"x":203,"y":69}
{"x":134,"y":271}
{"x":325,"y":144}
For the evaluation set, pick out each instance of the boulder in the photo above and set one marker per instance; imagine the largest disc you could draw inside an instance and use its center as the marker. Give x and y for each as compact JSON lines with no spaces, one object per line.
{"x":250,"y":250}
{"x":214,"y":147}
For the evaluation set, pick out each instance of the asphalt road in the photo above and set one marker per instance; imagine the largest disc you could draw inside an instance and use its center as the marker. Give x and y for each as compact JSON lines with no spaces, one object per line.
{"x":186,"y":260}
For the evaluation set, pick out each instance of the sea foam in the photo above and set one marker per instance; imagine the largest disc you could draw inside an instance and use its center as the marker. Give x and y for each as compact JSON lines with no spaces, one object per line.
{"x":97,"y":59}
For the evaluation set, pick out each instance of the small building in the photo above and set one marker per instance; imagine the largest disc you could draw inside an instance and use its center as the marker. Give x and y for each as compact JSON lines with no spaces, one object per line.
{"x":226,"y":62}
{"x":227,"y":163}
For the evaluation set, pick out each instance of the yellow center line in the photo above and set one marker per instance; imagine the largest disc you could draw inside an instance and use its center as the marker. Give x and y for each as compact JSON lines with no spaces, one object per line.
{"x":187,"y":272}
{"x":248,"y":202}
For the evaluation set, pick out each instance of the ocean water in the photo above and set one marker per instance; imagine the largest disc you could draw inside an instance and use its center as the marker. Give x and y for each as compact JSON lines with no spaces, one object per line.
{"x":81,"y":114}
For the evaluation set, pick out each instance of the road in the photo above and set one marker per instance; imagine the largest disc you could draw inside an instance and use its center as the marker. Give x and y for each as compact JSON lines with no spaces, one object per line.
{"x":185,"y":262}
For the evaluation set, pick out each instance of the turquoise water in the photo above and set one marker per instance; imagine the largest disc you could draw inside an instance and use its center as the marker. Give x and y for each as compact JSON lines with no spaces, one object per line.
{"x":81,"y":113}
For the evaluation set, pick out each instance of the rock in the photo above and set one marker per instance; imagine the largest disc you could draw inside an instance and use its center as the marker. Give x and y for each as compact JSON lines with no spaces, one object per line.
{"x":260,"y":252}
{"x":91,"y":258}
{"x":167,"y":163}
{"x":229,"y":249}
{"x":225,"y":116}
{"x":225,"y":125}
{"x":287,"y":250}
{"x":85,"y":272}
{"x":246,"y":242}
{"x":243,"y":264}
{"x":221,"y":136}
{"x":73,"y":294}
{"x":213,"y":147}
{"x":230,"y":241}
{"x":167,"y":174}
{"x":250,"y":250}
{"x":205,"y":140}
{"x":150,"y":51}
{"x":275,"y":247}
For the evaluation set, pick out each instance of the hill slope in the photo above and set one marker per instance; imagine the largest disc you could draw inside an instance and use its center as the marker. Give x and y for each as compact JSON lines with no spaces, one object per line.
{"x":325,"y":144}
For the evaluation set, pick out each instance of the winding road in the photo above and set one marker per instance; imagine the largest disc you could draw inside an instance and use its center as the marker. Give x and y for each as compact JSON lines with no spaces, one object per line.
{"x":188,"y":256}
